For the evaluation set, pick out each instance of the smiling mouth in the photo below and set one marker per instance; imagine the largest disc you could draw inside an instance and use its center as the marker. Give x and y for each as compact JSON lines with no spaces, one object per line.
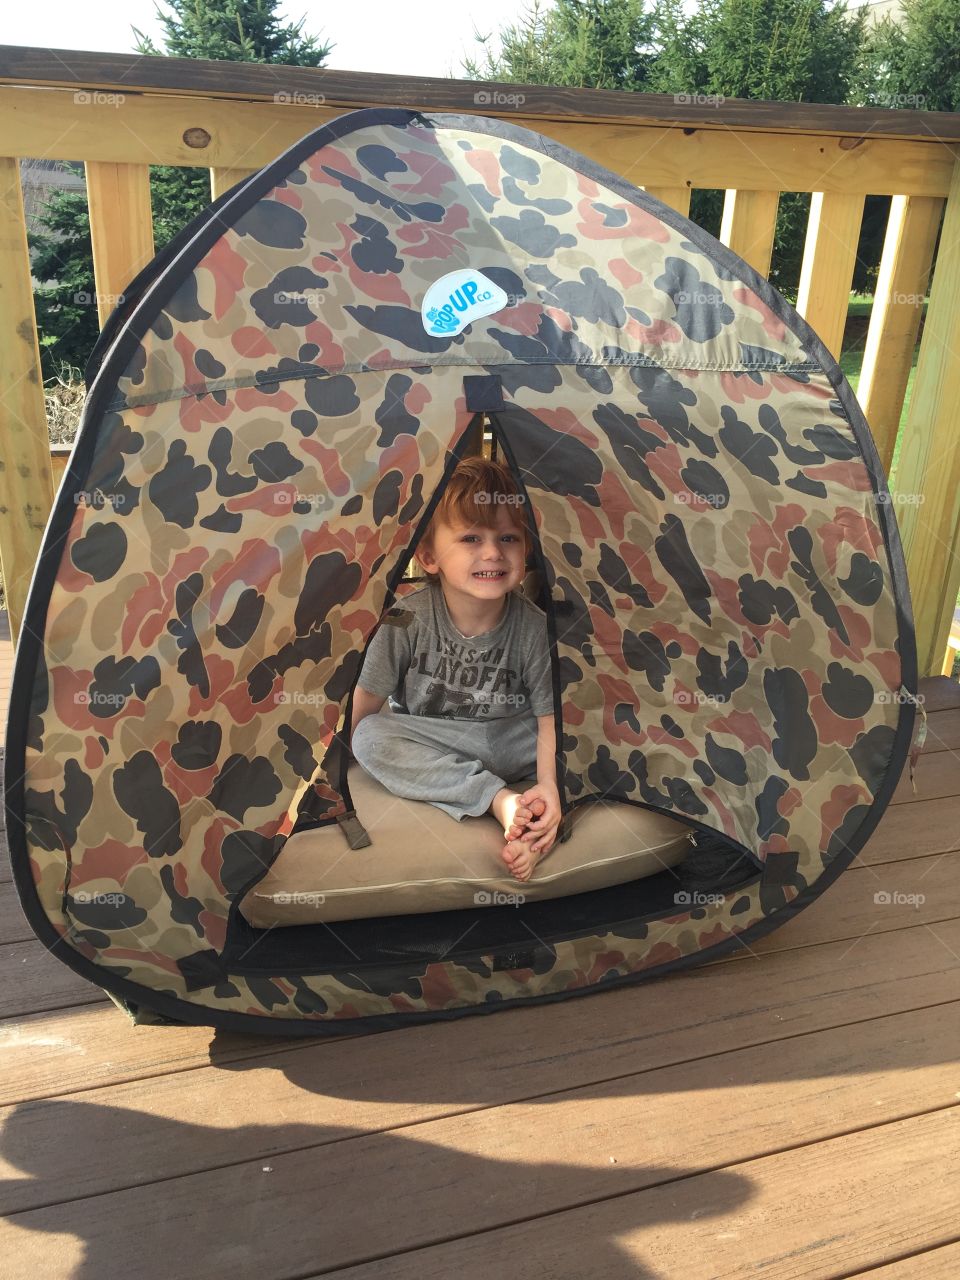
{"x":490,"y":573}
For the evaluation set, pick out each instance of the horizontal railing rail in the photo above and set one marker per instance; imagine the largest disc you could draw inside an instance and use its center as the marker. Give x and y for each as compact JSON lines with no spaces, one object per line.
{"x":122,"y":113}
{"x":133,"y":72}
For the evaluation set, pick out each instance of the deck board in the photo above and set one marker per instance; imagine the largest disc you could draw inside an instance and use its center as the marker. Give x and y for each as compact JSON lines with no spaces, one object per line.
{"x":937,"y":775}
{"x":13,"y":923}
{"x":31,"y":980}
{"x":634,"y":1115}
{"x":813,"y":1213}
{"x":789,"y":1112}
{"x":943,"y":730}
{"x":939,"y":693}
{"x":597,"y":1036}
{"x":933,"y":1264}
{"x":605,"y":1140}
{"x":913,"y":831}
{"x":921,"y":890}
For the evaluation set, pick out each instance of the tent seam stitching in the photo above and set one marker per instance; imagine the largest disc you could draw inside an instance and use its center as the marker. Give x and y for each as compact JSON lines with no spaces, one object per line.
{"x":121,"y":402}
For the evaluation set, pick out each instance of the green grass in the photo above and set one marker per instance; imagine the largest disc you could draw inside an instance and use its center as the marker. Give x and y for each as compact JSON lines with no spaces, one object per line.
{"x":860,"y":304}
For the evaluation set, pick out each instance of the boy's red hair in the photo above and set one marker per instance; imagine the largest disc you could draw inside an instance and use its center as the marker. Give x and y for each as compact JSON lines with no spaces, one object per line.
{"x":491,"y":483}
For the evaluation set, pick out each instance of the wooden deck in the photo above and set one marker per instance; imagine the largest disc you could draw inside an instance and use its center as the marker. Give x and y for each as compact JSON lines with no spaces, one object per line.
{"x":791,"y":1113}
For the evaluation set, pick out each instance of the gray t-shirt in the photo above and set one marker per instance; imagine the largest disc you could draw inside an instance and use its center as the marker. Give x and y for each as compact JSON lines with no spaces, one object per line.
{"x":422,"y":663}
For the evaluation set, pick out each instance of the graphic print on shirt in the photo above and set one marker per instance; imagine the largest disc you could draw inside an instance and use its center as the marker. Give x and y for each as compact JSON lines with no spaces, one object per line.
{"x":466,"y":682}
{"x":426,"y":667}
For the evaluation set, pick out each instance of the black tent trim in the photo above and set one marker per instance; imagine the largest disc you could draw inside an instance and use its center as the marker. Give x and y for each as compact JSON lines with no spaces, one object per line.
{"x":157,"y":283}
{"x":130,"y":995}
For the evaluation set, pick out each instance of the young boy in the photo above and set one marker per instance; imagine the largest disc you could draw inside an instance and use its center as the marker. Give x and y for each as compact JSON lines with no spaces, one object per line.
{"x":465,"y":662}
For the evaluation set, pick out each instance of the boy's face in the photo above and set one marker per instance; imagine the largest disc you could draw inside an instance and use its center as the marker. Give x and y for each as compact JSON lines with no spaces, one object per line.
{"x":485,"y":564}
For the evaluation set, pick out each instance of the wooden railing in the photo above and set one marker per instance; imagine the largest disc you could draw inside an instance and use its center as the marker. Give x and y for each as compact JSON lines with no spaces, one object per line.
{"x":122,"y":113}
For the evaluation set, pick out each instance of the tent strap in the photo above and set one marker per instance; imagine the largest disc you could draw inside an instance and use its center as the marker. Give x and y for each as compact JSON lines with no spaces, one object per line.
{"x":353,"y":829}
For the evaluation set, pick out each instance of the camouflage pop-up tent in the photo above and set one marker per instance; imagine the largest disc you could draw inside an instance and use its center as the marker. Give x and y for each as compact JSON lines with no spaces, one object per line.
{"x":273,"y":411}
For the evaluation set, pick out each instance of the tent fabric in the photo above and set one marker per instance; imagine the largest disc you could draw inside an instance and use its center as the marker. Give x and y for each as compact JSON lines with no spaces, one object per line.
{"x":268,"y":427}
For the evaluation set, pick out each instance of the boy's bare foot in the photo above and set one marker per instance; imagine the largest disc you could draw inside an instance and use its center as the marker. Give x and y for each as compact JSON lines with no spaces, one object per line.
{"x":536,"y":807}
{"x":521,"y":857}
{"x":512,"y":814}
{"x":518,"y":853}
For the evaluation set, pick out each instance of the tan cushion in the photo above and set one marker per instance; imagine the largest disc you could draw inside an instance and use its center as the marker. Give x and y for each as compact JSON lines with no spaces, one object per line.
{"x":423,"y":860}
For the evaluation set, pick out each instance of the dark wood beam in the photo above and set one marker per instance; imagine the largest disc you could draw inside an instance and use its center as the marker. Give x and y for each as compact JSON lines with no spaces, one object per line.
{"x":131,"y":73}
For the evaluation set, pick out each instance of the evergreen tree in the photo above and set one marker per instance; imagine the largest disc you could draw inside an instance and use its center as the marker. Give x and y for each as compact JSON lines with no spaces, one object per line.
{"x":775,"y":50}
{"x":226,"y":30}
{"x":771,"y":50}
{"x":913,"y":63}
{"x":233,"y":31}
{"x":597,"y":44}
{"x":65,"y":301}
{"x":781,"y":50}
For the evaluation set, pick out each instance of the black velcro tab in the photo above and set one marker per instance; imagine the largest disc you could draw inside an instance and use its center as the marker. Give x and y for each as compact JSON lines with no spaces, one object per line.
{"x":354,"y":830}
{"x":484,"y":394}
{"x":202,"y":969}
{"x":780,"y":869}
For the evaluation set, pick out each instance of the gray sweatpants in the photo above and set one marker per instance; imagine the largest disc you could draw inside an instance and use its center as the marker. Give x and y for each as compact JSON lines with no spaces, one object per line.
{"x":456,"y":765}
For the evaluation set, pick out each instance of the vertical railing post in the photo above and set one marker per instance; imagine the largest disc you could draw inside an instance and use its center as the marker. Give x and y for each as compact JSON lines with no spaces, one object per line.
{"x":676,"y":197}
{"x":26,"y":488}
{"x":749,"y":225}
{"x":222,"y":180}
{"x":928,"y":476}
{"x":121,"y":228}
{"x":829,"y":254}
{"x":895,"y":315}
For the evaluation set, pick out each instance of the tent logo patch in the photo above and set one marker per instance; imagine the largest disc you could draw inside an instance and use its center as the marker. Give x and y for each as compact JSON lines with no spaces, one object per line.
{"x":457,"y":299}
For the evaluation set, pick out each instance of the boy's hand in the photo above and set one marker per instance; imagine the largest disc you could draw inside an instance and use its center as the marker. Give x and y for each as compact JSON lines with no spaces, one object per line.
{"x":545,"y":827}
